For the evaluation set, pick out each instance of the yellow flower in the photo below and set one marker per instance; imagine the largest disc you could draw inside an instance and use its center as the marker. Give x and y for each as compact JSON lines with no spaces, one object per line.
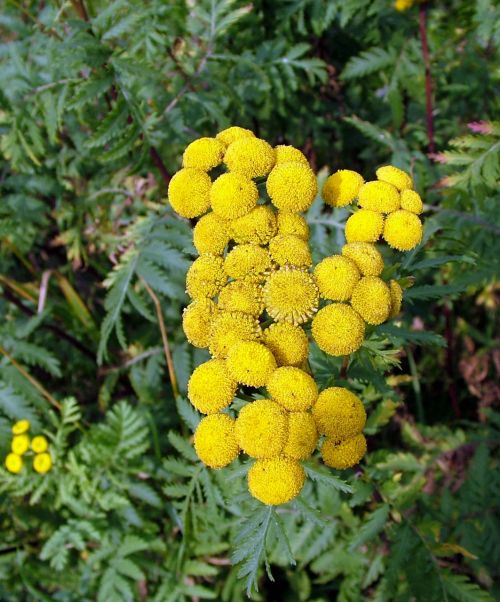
{"x":205,"y":277}
{"x":215,"y":440}
{"x":287,"y":342}
{"x":292,"y":187}
{"x":379,"y":196}
{"x":197,"y":318}
{"x":342,"y":187}
{"x":251,"y":363}
{"x":14,"y":463}
{"x":210,"y":387}
{"x":292,"y":388}
{"x":339,"y":414}
{"x":291,"y":295}
{"x":250,"y":156}
{"x":364,"y":226}
{"x":287,"y":154}
{"x":211,"y":234}
{"x":20,"y":444}
{"x":403,"y":230}
{"x":411,"y":201}
{"x":229,"y":328}
{"x":336,"y":277}
{"x":302,"y":436}
{"x":204,"y":153}
{"x":345,"y":454}
{"x":189,"y":192}
{"x":230,"y":135}
{"x":275,"y":481}
{"x":39,"y":444}
{"x":287,"y":249}
{"x":233,"y":195}
{"x":242,"y":295}
{"x":247,"y":260}
{"x":366,"y":257}
{"x":256,"y":227}
{"x":42,"y":463}
{"x":261,"y":429}
{"x":338,"y":329}
{"x":397,"y":177}
{"x":371,"y":298}
{"x":20,"y":427}
{"x":402,"y":5}
{"x":292,"y":223}
{"x":396,"y":298}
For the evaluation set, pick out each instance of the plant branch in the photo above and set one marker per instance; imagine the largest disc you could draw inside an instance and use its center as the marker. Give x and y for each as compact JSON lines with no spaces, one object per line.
{"x":428,"y":77}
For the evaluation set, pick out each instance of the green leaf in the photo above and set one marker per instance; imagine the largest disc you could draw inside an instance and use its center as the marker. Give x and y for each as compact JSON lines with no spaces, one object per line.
{"x":368,"y":61}
{"x":323,"y":475}
{"x":462,"y":589}
{"x":371,"y":526}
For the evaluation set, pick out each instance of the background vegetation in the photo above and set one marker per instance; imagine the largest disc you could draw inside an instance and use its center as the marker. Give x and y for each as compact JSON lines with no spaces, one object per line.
{"x":97,"y":101}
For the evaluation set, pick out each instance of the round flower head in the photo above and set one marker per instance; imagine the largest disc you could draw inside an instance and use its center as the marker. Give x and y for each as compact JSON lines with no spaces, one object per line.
{"x":291,"y":295}
{"x":411,"y":201}
{"x":342,"y":187}
{"x":42,"y":463}
{"x":205,"y":277}
{"x":251,"y":363}
{"x":338,"y":329}
{"x":215,"y":440}
{"x":230,"y":135}
{"x":371,"y":298}
{"x":20,"y":444}
{"x":39,"y":444}
{"x":247,"y":260}
{"x":364,"y":226}
{"x":288,"y":249}
{"x":302,"y":436}
{"x":20,"y":427}
{"x":396,"y":298}
{"x":261,"y":429}
{"x":14,"y":463}
{"x":336,"y":277}
{"x":366,"y":256}
{"x":251,"y":157}
{"x":379,"y":196}
{"x":197,"y":319}
{"x":339,"y":414}
{"x":189,"y":192}
{"x":345,"y":454}
{"x":242,"y":295}
{"x":292,"y":388}
{"x":288,"y":343}
{"x":210,"y":387}
{"x":275,"y":481}
{"x":233,"y":195}
{"x":292,"y":187}
{"x":292,"y":223}
{"x":257,"y":227}
{"x":211,"y":234}
{"x":229,"y":328}
{"x":287,"y":154}
{"x":403,"y":230}
{"x":397,"y":177}
{"x":204,"y":153}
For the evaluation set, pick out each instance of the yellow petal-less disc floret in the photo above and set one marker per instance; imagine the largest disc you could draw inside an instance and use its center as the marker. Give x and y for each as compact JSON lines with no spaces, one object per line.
{"x":366,"y":256}
{"x":342,"y":187}
{"x":293,"y":388}
{"x":39,"y":444}
{"x":345,"y":454}
{"x":197,"y":319}
{"x":42,"y":463}
{"x":20,"y":444}
{"x":211,"y":234}
{"x":292,"y":187}
{"x":292,"y":223}
{"x":233,"y":195}
{"x":371,"y":298}
{"x":189,"y":192}
{"x":403,"y":230}
{"x":395,"y":176}
{"x":291,"y":295}
{"x":364,"y":226}
{"x":205,"y":277}
{"x":14,"y":463}
{"x":247,"y":260}
{"x":302,"y":436}
{"x":230,"y":135}
{"x":287,"y":342}
{"x":379,"y":196}
{"x":204,"y":153}
{"x":211,"y":388}
{"x":252,"y":157}
{"x":20,"y":427}
{"x":242,"y":295}
{"x":287,"y":154}
{"x":229,"y":328}
{"x":411,"y":201}
{"x":215,"y":440}
{"x":261,"y":429}
{"x":338,"y":329}
{"x":336,"y":277}
{"x":275,"y":481}
{"x":256,"y":227}
{"x":288,"y":249}
{"x":339,"y":414}
{"x":396,"y":298}
{"x":251,"y":363}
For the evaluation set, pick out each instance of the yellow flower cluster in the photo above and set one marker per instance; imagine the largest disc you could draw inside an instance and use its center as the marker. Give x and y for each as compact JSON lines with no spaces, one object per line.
{"x":21,"y":445}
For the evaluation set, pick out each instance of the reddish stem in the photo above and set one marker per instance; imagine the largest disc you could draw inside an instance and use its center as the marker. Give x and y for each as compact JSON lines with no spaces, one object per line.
{"x":428,"y":78}
{"x":160,"y":165}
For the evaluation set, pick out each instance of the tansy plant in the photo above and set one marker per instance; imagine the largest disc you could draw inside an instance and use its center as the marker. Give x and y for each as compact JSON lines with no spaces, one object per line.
{"x":258,"y":301}
{"x":22,"y":446}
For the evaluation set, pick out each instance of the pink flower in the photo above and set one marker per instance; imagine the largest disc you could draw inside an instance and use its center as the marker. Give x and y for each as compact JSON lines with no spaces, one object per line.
{"x":438,"y":157}
{"x":480,"y":127}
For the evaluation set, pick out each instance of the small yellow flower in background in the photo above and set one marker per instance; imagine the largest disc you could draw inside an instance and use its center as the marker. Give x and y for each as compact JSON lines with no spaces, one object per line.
{"x":250,"y":156}
{"x":371,"y":298}
{"x":204,"y":153}
{"x":14,"y":463}
{"x":338,"y":329}
{"x":247,"y":260}
{"x":251,"y":363}
{"x":230,"y":135}
{"x":379,"y":196}
{"x":292,"y":388}
{"x":411,"y":201}
{"x":291,"y":295}
{"x":242,"y":295}
{"x":211,"y":388}
{"x":289,"y":154}
{"x":205,"y":277}
{"x":396,"y":297}
{"x":20,"y":427}
{"x":292,"y":223}
{"x":403,"y":230}
{"x":20,"y":444}
{"x":42,"y":463}
{"x":229,"y":328}
{"x":233,"y":195}
{"x":256,"y":227}
{"x":288,"y":249}
{"x":364,"y":226}
{"x":292,"y":187}
{"x":302,"y":436}
{"x":339,"y":414}
{"x":189,"y":192}
{"x":275,"y":481}
{"x":287,"y":342}
{"x":366,"y":256}
{"x":344,"y":454}
{"x":342,"y":187}
{"x":395,"y":176}
{"x":261,"y":428}
{"x":215,"y":440}
{"x":211,"y":234}
{"x":197,"y":320}
{"x":403,"y":5}
{"x":336,"y":277}
{"x":39,"y":444}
